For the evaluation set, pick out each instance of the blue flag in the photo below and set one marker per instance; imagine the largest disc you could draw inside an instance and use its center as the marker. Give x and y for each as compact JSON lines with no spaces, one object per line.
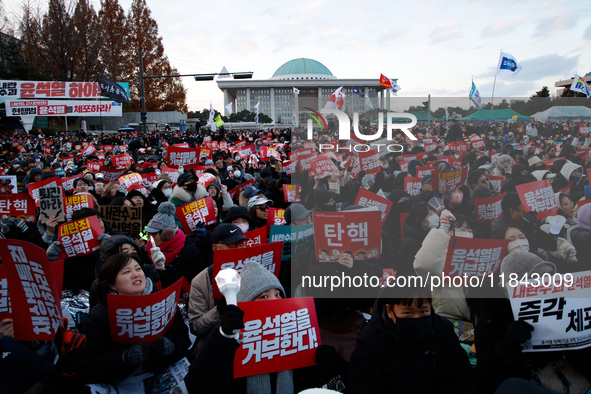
{"x":355,"y":90}
{"x":508,"y":65}
{"x":475,"y":96}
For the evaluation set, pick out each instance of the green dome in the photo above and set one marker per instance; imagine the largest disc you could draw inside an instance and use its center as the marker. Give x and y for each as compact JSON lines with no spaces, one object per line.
{"x":302,"y":66}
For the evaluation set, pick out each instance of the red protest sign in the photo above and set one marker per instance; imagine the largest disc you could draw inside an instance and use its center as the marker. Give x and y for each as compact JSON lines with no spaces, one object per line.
{"x":275,"y":217}
{"x":206,"y":153}
{"x":431,"y":146}
{"x":122,"y":160}
{"x":448,"y":180}
{"x":33,"y":188}
{"x":266,"y":153}
{"x":291,"y":193}
{"x":182,"y":145}
{"x":478,"y":143}
{"x":223,"y":145}
{"x":356,"y":232}
{"x":566,"y":190}
{"x":296,"y":154}
{"x":34,"y":296}
{"x":548,"y":163}
{"x":192,"y":213}
{"x":387,"y":273}
{"x":21,"y":206}
{"x":370,"y":161}
{"x":108,"y":148}
{"x":79,"y":238}
{"x":369,"y":199}
{"x":47,"y":150}
{"x":68,"y":183}
{"x":496,"y":182}
{"x":142,"y":318}
{"x":5,"y":304}
{"x":277,"y":336}
{"x":150,"y":177}
{"x":246,"y":152}
{"x":201,"y":169}
{"x":487,"y":210}
{"x":173,"y":173}
{"x":422,"y":171}
{"x":256,"y":237}
{"x":323,"y":166}
{"x":268,"y":255}
{"x":211,"y":144}
{"x":206,"y":178}
{"x":310,"y":145}
{"x":412,"y":185}
{"x":238,"y":190}
{"x":474,"y":257}
{"x":538,"y":196}
{"x":304,"y":161}
{"x":289,"y":167}
{"x":111,"y":174}
{"x":130,"y":179}
{"x":93,"y":166}
{"x":185,"y":157}
{"x":404,"y":165}
{"x":89,"y":150}
{"x":74,"y":203}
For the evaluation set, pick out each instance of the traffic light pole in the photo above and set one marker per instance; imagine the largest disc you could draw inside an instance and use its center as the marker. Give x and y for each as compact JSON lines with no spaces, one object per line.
{"x":144,"y":115}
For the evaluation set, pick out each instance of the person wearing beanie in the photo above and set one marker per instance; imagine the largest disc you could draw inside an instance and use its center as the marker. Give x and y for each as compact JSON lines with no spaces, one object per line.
{"x":324,"y":201}
{"x":187,"y":190}
{"x":166,"y":177}
{"x":581,"y":236}
{"x":168,"y":244}
{"x":240,"y":217}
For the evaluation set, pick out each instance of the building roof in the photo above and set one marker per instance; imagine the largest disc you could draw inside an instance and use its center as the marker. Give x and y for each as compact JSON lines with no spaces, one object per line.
{"x":302,"y":66}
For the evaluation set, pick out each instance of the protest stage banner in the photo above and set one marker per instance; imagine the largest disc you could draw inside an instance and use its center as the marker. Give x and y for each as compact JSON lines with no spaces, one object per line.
{"x":256,"y":237}
{"x":413,"y":185}
{"x":79,"y":238}
{"x":268,"y":255}
{"x":111,"y":174}
{"x":8,"y":184}
{"x":77,"y":202}
{"x":359,"y":233}
{"x":277,"y":336}
{"x":18,"y":206}
{"x":538,"y":196}
{"x":488,"y":209}
{"x":559,"y":311}
{"x":62,"y":108}
{"x":130,"y":179}
{"x":370,"y":161}
{"x":368,"y":199}
{"x":126,"y":220}
{"x":51,"y":204}
{"x":422,"y":171}
{"x":142,"y":318}
{"x":33,"y":188}
{"x":34,"y":296}
{"x":448,"y":180}
{"x":496,"y":182}
{"x":291,"y":193}
{"x":195,"y":212}
{"x":122,"y":160}
{"x":474,"y":257}
{"x":300,"y":239}
{"x":275,"y":217}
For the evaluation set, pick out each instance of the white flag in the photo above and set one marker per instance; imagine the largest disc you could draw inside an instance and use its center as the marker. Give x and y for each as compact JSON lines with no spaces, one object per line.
{"x":475,"y":96}
{"x":446,"y":114}
{"x":368,"y":103}
{"x":395,"y":88}
{"x":212,"y":124}
{"x":579,"y":85}
{"x":508,"y":65}
{"x":294,"y":119}
{"x":229,"y":108}
{"x":296,"y":91}
{"x":256,"y":117}
{"x":335,"y":100}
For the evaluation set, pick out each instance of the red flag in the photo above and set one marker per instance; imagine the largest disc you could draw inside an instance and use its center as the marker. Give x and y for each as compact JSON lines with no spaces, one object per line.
{"x":385,"y":81}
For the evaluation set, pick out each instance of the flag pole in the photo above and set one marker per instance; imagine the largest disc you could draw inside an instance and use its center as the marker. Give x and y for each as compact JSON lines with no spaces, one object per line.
{"x":492,"y":99}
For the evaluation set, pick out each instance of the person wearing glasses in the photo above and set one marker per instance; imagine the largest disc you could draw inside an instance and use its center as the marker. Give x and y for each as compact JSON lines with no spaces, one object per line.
{"x":258,"y":210}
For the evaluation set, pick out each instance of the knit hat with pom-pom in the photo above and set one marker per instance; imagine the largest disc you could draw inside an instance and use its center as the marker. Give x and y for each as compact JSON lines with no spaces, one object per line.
{"x":163,"y":219}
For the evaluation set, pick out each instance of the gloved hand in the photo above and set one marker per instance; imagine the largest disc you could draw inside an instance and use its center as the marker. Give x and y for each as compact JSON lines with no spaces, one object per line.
{"x":517,"y":333}
{"x":529,"y":221}
{"x":147,"y":184}
{"x":5,"y":225}
{"x":54,"y":250}
{"x":232,"y":319}
{"x":123,"y":189}
{"x":158,"y":258}
{"x":21,"y":225}
{"x":181,"y":170}
{"x":200,"y":229}
{"x":566,"y":250}
{"x":327,"y":355}
{"x":103,"y":236}
{"x":163,"y":347}
{"x":446,"y":219}
{"x":70,"y":346}
{"x":137,"y":354}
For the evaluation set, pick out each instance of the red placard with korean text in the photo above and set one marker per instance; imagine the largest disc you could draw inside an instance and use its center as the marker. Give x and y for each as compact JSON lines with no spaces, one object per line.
{"x":206,"y":178}
{"x":33,"y":188}
{"x":448,"y":180}
{"x":89,"y":150}
{"x":68,"y":183}
{"x":268,"y":255}
{"x":291,"y":193}
{"x":496,"y":182}
{"x":192,"y":213}
{"x":478,"y":143}
{"x":422,"y":171}
{"x":304,"y":161}
{"x":289,"y":167}
{"x":370,"y":161}
{"x":108,"y":148}
{"x":79,"y":238}
{"x":288,"y":339}
{"x":130,"y":179}
{"x":538,"y":196}
{"x":173,"y":173}
{"x":93,"y":166}
{"x":150,"y":176}
{"x":21,"y":206}
{"x":369,"y":199}
{"x":76,"y":202}
{"x":256,"y":237}
{"x":266,"y":153}
{"x":474,"y":257}
{"x":412,"y":185}
{"x":430,"y":146}
{"x":110,"y":174}
{"x":34,"y":296}
{"x":122,"y":160}
{"x":296,"y":154}
{"x":323,"y":166}
{"x":238,"y":190}
{"x":5,"y":304}
{"x":142,"y":318}
{"x":566,"y":189}
{"x":486,"y":210}
{"x":550,"y":162}
{"x":275,"y":217}
{"x":358,"y":232}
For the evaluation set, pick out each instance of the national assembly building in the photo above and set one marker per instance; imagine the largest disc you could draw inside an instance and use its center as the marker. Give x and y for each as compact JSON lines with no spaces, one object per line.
{"x":315,"y":83}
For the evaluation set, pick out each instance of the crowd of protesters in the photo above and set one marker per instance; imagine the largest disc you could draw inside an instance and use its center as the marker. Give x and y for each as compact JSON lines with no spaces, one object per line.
{"x":393,"y":343}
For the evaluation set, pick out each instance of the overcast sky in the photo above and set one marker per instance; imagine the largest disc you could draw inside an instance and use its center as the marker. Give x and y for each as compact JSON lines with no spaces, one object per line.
{"x":432,"y":47}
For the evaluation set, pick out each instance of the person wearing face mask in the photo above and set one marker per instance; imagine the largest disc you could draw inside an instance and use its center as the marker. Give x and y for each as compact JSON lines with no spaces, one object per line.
{"x":324,"y":201}
{"x":448,"y":301}
{"x":417,"y":224}
{"x":407,"y":348}
{"x":187,"y":190}
{"x":570,"y":173}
